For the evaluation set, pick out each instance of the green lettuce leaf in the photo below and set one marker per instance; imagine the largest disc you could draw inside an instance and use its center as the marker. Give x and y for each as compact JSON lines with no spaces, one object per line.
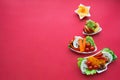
{"x":79,"y":61}
{"x":110,"y":52}
{"x":90,"y":72}
{"x":90,"y":24}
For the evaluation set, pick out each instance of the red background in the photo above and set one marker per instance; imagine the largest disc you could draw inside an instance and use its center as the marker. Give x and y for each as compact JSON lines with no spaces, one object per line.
{"x":34,"y":35}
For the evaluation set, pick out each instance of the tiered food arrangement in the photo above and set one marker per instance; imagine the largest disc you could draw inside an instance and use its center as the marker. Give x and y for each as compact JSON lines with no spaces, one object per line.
{"x":98,"y":62}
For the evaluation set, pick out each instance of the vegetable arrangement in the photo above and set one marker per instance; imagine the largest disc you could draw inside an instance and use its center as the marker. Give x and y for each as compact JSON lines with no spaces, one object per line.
{"x":91,"y":27}
{"x":82,"y":44}
{"x":96,"y":63}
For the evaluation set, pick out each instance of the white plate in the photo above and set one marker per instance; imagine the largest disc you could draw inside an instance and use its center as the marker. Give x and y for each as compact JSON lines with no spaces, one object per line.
{"x":93,"y":33}
{"x":84,"y":52}
{"x":98,"y":71}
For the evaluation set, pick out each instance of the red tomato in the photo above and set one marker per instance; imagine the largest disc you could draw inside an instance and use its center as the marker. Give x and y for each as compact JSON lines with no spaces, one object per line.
{"x":87,"y":49}
{"x":95,"y":67}
{"x":88,"y":63}
{"x":88,"y":45}
{"x":92,"y":48}
{"x":90,"y":67}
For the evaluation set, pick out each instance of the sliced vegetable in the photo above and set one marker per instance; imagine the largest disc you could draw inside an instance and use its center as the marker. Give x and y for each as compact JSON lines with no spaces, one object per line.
{"x":81,"y":45}
{"x":110,"y":52}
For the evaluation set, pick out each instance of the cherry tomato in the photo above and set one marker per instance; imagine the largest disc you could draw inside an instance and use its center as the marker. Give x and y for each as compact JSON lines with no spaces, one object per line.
{"x":95,"y":67}
{"x":87,"y":49}
{"x":90,"y":67}
{"x":92,"y":48}
{"x":88,"y":63}
{"x":88,"y":45}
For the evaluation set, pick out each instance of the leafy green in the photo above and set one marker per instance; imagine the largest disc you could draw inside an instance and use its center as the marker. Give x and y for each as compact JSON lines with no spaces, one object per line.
{"x":90,"y":40}
{"x":110,"y":52}
{"x":106,"y":50}
{"x":90,"y":72}
{"x":79,"y":61}
{"x":114,"y":56}
{"x":90,"y":24}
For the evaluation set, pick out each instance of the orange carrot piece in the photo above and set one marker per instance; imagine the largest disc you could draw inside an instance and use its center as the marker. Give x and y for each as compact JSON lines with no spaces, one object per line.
{"x":81,"y":45}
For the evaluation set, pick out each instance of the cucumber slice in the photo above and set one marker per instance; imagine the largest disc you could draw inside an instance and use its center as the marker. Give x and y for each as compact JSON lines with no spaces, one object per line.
{"x":107,"y":50}
{"x":83,"y":66}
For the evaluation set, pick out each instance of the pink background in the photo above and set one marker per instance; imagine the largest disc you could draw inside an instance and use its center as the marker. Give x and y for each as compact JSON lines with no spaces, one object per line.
{"x":34,"y":35}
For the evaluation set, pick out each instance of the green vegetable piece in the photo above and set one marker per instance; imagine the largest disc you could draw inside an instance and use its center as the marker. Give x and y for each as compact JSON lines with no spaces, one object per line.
{"x":90,"y":72}
{"x":90,"y":39}
{"x":90,"y":24}
{"x":114,"y":56}
{"x":110,"y":52}
{"x":106,"y":50}
{"x":79,"y":61}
